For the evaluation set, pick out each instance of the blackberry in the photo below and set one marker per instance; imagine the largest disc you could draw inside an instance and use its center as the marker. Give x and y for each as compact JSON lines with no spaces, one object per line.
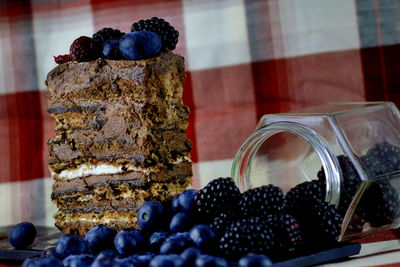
{"x":248,"y":235}
{"x":287,"y":231}
{"x":357,"y":221}
{"x":84,"y":49}
{"x":381,"y":204}
{"x":220,"y":223}
{"x":382,"y":158}
{"x":106,"y":34}
{"x":220,"y":195}
{"x":320,"y":224}
{"x":168,"y":34}
{"x":349,"y":187}
{"x":262,"y":201}
{"x":304,"y":195}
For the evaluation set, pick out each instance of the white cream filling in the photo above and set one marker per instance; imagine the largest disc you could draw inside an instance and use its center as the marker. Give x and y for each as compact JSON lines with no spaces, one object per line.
{"x":105,"y":219}
{"x":88,"y":169}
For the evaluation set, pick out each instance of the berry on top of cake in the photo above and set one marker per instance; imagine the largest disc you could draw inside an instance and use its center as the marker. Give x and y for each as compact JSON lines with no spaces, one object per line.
{"x":147,"y":39}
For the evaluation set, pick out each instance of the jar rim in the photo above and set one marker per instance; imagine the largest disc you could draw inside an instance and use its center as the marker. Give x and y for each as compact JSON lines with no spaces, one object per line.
{"x":241,"y":167}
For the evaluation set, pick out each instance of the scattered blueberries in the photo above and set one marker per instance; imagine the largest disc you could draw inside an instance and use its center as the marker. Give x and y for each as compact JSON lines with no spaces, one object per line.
{"x":150,"y":216}
{"x":43,"y":261}
{"x":22,"y":235}
{"x":156,"y":240}
{"x":174,"y":244}
{"x":140,"y":45}
{"x":71,"y":245}
{"x":100,"y":238}
{"x":254,"y":260}
{"x":171,"y":260}
{"x":186,"y":200}
{"x":81,"y":260}
{"x":181,"y":222}
{"x":203,"y":236}
{"x":125,"y":243}
{"x":190,"y":254}
{"x":207,"y":260}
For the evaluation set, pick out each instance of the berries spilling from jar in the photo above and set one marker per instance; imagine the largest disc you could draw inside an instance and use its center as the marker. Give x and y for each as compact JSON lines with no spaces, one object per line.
{"x":214,"y":226}
{"x":147,"y":39}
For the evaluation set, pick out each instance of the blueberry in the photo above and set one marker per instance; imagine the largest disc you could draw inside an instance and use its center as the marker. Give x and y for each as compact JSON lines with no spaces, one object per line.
{"x":181,"y":222}
{"x":71,"y":245}
{"x":78,"y":260}
{"x":150,"y":216}
{"x":210,"y":261}
{"x":124,"y":262}
{"x":171,"y":260}
{"x":140,"y":239}
{"x":189,"y":255}
{"x":100,"y":238}
{"x":175,"y":204}
{"x":42,"y":261}
{"x":105,"y":261}
{"x":142,"y":260}
{"x":22,"y":235}
{"x":125,"y":243}
{"x":174,"y":244}
{"x":203,"y":236}
{"x":140,"y":45}
{"x":50,"y":251}
{"x":156,"y":239}
{"x":186,"y":200}
{"x":254,"y":260}
{"x":111,"y":50}
{"x":108,"y":253}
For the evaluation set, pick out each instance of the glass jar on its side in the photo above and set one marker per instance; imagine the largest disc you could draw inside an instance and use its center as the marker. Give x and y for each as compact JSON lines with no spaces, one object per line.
{"x":353,"y":147}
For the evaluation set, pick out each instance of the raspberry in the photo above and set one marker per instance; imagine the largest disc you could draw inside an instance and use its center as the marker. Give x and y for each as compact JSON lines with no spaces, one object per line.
{"x":84,"y":49}
{"x":304,"y":195}
{"x":62,"y":59}
{"x":106,"y":34}
{"x":286,"y":230}
{"x":168,"y":34}
{"x":245,"y":236}
{"x":262,"y":201}
{"x":381,"y":204}
{"x":220,"y":195}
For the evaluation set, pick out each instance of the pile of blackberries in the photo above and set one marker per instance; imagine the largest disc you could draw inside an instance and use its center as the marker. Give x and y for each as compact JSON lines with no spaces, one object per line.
{"x":380,"y":203}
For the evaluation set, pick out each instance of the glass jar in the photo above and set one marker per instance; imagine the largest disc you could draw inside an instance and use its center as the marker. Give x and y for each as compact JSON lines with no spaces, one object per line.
{"x":353,"y":148}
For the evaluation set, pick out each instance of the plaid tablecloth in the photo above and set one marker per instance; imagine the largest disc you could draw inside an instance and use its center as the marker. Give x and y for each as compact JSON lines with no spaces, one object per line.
{"x":243,"y":59}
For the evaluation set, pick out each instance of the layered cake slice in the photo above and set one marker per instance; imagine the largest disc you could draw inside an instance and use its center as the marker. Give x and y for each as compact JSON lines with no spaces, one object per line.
{"x":120,"y":139}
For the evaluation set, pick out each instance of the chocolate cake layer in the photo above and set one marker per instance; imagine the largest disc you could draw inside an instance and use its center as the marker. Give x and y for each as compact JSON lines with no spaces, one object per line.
{"x":131,"y":117}
{"x":119,"y":196}
{"x":79,"y":223}
{"x":152,"y":81}
{"x":141,"y":149}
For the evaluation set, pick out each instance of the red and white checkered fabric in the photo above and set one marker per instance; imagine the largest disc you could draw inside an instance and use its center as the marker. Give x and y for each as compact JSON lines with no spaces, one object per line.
{"x":243,"y":59}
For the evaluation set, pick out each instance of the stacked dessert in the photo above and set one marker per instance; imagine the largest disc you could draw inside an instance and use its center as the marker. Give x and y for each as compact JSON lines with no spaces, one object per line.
{"x":120,"y":129}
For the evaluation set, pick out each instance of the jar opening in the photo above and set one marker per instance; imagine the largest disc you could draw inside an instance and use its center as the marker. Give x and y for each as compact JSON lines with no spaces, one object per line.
{"x":286,"y":151}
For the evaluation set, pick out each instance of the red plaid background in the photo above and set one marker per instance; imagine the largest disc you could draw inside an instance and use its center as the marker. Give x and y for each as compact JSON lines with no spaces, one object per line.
{"x":243,"y":59}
